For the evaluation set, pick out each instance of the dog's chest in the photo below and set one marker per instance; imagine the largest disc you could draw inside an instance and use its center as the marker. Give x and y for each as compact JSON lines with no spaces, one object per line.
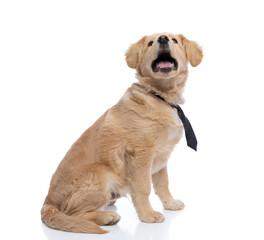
{"x":175,"y":130}
{"x":168,"y":137}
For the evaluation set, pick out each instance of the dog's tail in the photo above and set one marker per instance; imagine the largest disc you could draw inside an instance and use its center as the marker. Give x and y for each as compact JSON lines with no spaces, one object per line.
{"x":53,"y":218}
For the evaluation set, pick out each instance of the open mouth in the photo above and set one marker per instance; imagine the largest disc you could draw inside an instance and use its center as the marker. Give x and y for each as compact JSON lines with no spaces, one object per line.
{"x":164,"y":63}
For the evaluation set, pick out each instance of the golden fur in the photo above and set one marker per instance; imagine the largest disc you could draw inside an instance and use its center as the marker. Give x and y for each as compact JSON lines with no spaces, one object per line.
{"x":125,"y":149}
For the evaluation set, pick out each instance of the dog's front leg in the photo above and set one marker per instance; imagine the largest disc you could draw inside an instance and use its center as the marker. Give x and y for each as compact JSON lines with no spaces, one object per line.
{"x":140,"y":187}
{"x":161,"y":185}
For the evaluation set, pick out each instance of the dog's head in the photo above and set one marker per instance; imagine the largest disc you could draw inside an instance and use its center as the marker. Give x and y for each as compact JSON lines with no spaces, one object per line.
{"x":163,"y":57}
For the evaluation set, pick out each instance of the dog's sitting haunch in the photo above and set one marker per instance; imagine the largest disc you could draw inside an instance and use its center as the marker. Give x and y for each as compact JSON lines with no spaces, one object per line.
{"x":128,"y":147}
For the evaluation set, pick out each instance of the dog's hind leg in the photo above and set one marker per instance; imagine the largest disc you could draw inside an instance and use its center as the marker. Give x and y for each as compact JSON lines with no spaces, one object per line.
{"x":93,"y":194}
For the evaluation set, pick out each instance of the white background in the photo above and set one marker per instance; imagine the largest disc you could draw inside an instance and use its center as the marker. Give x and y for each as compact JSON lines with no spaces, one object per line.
{"x":62,"y":66}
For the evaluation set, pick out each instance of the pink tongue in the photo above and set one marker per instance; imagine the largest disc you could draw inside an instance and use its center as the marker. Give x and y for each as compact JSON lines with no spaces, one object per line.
{"x":165,"y":65}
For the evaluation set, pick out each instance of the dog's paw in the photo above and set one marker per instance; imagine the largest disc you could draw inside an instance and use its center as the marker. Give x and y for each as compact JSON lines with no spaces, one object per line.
{"x":152,"y":217}
{"x":109,"y":218}
{"x":174,"y":205}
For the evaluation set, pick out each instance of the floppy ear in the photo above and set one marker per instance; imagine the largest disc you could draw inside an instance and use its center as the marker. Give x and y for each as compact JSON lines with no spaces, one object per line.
{"x":133,"y":53}
{"x":193,"y":51}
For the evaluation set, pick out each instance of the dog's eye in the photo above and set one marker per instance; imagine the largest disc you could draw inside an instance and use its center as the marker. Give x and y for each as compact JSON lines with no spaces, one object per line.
{"x":150,"y":43}
{"x":174,"y":40}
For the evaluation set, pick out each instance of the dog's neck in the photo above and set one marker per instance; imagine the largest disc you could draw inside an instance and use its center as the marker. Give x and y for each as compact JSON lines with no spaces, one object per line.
{"x":169,"y":89}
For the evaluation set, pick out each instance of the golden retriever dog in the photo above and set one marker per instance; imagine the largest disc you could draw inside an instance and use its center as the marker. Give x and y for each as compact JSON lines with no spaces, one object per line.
{"x":128,"y":147}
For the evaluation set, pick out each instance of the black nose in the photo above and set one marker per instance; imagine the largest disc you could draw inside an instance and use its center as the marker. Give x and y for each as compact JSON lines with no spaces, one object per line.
{"x":163,"y":39}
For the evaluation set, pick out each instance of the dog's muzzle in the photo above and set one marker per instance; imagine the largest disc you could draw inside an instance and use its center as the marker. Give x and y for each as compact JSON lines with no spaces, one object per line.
{"x":164,"y":63}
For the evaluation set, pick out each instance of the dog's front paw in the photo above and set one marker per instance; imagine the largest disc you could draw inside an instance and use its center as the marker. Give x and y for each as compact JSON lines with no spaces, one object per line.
{"x":174,"y":205}
{"x":152,"y":217}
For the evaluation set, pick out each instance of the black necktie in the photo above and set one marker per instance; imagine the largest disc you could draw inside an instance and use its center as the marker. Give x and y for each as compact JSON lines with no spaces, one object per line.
{"x":189,"y":133}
